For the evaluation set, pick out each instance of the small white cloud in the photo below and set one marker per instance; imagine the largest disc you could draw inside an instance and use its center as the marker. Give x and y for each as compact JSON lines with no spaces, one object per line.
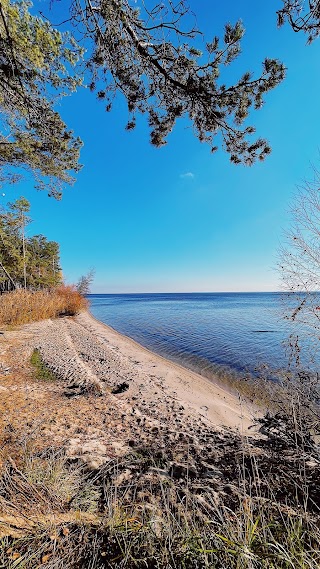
{"x":187,"y":175}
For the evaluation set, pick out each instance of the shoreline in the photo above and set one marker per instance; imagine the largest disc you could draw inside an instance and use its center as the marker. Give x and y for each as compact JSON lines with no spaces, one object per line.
{"x":166,"y":359}
{"x":221,"y":376}
{"x":225,"y":407}
{"x":108,"y":394}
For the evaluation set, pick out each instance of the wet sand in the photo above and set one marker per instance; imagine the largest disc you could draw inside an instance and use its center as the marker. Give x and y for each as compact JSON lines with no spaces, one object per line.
{"x":156,"y":378}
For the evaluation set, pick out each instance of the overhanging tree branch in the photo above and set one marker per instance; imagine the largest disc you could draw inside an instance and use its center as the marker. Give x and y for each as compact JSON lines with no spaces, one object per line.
{"x":301,"y":18}
{"x":140,"y":53}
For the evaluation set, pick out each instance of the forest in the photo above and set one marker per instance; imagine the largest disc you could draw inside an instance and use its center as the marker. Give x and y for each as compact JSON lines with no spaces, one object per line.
{"x":25,"y":262}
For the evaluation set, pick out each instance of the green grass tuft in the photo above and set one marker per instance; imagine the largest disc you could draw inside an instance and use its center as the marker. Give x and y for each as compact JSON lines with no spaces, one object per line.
{"x":42,"y":373}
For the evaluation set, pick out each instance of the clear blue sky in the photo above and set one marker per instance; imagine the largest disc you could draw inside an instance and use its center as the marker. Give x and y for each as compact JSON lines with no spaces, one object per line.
{"x":180,"y":218}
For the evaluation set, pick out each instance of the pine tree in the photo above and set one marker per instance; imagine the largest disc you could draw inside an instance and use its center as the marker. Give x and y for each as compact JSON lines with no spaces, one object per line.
{"x":302,"y":17}
{"x":19,"y":209}
{"x":151,"y":56}
{"x":35,"y":67}
{"x":30,"y":262}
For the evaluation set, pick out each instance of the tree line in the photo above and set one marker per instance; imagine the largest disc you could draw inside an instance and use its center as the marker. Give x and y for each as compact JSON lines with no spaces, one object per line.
{"x":25,"y":262}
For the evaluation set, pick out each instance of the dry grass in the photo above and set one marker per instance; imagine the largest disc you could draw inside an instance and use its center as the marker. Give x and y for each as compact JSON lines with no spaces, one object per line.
{"x":54,"y":515}
{"x":21,"y":307}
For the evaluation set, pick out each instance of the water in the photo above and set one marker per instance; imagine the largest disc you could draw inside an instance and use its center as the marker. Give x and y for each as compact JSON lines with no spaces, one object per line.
{"x":208,"y":332}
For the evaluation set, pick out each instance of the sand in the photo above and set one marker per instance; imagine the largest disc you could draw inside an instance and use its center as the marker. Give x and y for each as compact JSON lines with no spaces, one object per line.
{"x":156,"y":378}
{"x":108,"y":395}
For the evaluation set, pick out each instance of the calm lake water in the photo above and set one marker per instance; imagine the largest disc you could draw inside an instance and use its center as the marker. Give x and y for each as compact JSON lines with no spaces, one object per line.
{"x":207,"y":332}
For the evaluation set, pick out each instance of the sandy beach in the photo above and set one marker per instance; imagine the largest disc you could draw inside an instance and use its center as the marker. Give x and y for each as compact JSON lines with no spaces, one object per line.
{"x":162,"y":378}
{"x":110,"y":393}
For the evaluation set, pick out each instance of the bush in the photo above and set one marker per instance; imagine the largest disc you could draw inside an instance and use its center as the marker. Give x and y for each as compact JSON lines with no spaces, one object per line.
{"x":72,"y":301}
{"x":24,"y":306}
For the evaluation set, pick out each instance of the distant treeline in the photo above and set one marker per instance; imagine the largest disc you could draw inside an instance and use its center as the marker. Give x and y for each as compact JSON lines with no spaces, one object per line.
{"x":25,"y":262}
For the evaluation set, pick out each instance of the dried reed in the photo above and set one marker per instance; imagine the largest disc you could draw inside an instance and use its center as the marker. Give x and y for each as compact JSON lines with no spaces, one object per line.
{"x":24,"y":306}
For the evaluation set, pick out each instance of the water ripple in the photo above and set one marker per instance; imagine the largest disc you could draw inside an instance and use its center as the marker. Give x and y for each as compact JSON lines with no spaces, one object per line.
{"x":234,"y":331}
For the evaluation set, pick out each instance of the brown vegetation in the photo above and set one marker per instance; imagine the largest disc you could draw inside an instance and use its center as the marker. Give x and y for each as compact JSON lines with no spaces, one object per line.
{"x":24,"y":306}
{"x":140,"y":512}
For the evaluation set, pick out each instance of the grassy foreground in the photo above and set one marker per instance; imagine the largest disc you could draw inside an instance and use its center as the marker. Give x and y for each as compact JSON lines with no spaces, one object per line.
{"x":54,"y":514}
{"x":24,"y":306}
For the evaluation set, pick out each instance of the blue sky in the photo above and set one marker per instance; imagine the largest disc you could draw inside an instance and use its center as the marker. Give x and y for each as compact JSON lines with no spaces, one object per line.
{"x":179,"y":218}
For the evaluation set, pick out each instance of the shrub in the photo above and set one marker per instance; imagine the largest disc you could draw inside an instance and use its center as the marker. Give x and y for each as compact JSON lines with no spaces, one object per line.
{"x":73,"y":302}
{"x":24,"y":306}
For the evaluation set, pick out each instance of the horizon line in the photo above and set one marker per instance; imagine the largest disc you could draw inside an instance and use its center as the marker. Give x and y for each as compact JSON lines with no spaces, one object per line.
{"x":202,"y":292}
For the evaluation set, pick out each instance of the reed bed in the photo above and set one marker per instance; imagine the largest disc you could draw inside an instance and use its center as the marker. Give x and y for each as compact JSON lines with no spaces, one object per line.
{"x":24,"y":306}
